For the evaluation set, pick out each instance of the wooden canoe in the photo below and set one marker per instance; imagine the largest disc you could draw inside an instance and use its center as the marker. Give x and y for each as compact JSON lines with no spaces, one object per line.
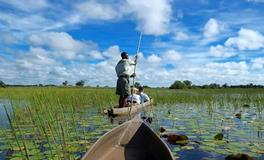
{"x":132,"y":140}
{"x":127,"y":110}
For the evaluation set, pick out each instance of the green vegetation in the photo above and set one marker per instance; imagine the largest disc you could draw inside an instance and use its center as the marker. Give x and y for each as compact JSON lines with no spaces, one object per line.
{"x":65,"y":83}
{"x":62,"y":122}
{"x":188,"y":84}
{"x":80,"y":83}
{"x":53,"y":123}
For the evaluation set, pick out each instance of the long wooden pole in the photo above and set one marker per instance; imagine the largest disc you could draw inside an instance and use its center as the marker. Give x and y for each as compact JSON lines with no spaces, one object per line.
{"x":138,"y":47}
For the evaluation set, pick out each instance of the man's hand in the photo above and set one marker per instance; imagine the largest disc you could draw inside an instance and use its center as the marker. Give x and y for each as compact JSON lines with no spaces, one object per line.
{"x":136,"y":58}
{"x":133,"y":75}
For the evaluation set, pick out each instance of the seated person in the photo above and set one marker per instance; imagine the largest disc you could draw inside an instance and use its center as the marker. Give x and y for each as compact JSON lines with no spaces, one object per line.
{"x":143,"y":96}
{"x":136,"y":98}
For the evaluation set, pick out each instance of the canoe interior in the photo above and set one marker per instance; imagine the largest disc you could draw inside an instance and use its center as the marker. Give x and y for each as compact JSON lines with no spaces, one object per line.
{"x":146,"y":146}
{"x":129,"y":142}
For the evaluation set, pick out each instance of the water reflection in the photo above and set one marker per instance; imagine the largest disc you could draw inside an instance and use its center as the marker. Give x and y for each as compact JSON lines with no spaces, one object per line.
{"x":3,"y":117}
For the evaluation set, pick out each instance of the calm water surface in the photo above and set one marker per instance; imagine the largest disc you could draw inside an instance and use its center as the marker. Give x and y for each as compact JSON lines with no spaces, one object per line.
{"x":202,"y":123}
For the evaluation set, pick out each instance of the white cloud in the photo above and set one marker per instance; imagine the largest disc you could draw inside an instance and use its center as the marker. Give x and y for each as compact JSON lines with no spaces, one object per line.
{"x":227,"y":72}
{"x":257,"y":63}
{"x":152,"y":16}
{"x":56,"y":41}
{"x":30,"y":23}
{"x":35,"y":66}
{"x":153,"y":59}
{"x":112,"y":52}
{"x":35,"y":57}
{"x":212,"y":28}
{"x":212,"y":72}
{"x":152,"y":67}
{"x":171,"y":56}
{"x":228,"y":68}
{"x":9,"y":38}
{"x":221,"y":51}
{"x":39,"y":66}
{"x":212,"y":31}
{"x":63,"y":45}
{"x":28,"y":5}
{"x":94,"y":54}
{"x":247,"y":40}
{"x":181,"y":36}
{"x":93,"y":10}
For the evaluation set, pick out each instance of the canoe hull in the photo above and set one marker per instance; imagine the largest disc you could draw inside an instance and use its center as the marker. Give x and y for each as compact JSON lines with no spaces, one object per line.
{"x":133,"y":140}
{"x":128,"y":110}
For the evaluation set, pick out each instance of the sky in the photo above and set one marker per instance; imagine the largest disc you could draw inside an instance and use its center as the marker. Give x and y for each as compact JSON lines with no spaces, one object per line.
{"x":205,"y":41}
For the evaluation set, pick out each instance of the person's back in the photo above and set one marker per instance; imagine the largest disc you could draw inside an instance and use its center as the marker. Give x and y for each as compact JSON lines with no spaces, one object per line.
{"x":143,"y":96}
{"x":134,"y":98}
{"x":122,"y":68}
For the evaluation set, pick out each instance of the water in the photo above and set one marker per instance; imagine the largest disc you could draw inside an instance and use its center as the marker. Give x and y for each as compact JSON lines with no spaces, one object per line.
{"x":3,"y":123}
{"x":3,"y":117}
{"x":200,"y":123}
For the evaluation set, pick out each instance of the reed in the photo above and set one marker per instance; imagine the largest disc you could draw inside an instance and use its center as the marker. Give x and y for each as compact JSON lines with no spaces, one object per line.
{"x":63,"y":122}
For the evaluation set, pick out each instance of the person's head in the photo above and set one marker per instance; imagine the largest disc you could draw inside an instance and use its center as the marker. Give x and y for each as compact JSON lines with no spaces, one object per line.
{"x":141,"y":89}
{"x":124,"y":55}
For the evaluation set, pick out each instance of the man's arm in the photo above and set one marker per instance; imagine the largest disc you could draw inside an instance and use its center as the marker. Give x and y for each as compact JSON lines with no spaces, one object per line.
{"x":134,"y":62}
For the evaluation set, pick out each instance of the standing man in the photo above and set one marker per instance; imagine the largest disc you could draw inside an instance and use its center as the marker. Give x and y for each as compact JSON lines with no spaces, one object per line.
{"x":124,"y":71}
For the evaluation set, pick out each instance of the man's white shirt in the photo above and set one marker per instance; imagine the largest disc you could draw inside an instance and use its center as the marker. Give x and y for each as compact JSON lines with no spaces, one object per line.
{"x":143,"y":97}
{"x":124,"y":67}
{"x":136,"y":98}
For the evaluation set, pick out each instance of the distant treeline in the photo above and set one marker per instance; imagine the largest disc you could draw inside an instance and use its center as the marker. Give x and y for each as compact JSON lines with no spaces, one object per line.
{"x":176,"y":85}
{"x":188,"y":85}
{"x":80,"y":83}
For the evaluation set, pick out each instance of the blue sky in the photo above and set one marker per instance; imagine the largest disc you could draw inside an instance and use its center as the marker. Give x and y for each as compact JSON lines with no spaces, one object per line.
{"x":204,"y":41}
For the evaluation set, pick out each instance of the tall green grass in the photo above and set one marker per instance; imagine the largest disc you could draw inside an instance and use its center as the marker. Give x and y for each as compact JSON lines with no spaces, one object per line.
{"x":53,"y":123}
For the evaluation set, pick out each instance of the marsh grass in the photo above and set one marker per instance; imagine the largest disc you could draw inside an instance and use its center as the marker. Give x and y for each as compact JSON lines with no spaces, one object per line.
{"x":62,"y":123}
